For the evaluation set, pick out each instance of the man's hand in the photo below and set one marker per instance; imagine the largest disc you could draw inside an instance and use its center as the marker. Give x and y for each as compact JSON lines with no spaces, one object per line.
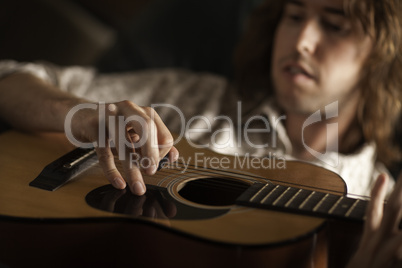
{"x":381,"y":244}
{"x":139,"y":136}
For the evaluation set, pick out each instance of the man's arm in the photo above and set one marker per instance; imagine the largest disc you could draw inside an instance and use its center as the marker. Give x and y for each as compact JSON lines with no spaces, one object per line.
{"x":31,"y":104}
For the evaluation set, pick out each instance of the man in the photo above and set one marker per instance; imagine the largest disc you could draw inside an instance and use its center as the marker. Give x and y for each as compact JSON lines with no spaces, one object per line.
{"x":331,"y":52}
{"x":339,"y":56}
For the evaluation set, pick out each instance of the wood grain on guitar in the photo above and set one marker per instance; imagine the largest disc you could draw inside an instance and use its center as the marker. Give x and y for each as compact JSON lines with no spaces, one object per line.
{"x":179,"y":222}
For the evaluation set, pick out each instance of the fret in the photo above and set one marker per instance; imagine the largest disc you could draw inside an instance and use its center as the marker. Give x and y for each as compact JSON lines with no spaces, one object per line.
{"x":273,"y":195}
{"x":252,"y":199}
{"x":263,"y":192}
{"x":312,"y":201}
{"x":342,"y":208}
{"x":352,"y":208}
{"x":293,"y":198}
{"x":269,"y":194}
{"x":299,"y":199}
{"x":319,"y":203}
{"x":250,"y":192}
{"x":279,"y":197}
{"x":307,"y":199}
{"x":284,"y":198}
{"x":335,"y":205}
{"x":359,"y":210}
{"x":327,"y":204}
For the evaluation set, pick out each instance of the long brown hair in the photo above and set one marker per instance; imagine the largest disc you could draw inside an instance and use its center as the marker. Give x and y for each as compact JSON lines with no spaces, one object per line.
{"x":379,"y":113}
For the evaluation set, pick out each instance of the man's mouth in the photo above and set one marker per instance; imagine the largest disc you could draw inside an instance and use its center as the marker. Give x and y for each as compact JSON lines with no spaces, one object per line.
{"x":298,"y":70}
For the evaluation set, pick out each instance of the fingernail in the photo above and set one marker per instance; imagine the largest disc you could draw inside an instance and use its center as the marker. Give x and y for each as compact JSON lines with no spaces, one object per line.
{"x":119,"y":183}
{"x":152,"y":170}
{"x":175,"y":156}
{"x":138,"y":188}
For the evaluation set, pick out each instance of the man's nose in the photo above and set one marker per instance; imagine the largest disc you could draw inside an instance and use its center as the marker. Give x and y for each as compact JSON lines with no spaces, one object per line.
{"x":309,"y":37}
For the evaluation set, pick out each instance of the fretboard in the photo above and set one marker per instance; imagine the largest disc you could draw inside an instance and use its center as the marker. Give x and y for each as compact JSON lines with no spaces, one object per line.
{"x":295,"y":200}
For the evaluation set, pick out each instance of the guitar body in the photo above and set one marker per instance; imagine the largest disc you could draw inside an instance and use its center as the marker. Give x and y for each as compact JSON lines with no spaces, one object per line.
{"x":88,"y":223}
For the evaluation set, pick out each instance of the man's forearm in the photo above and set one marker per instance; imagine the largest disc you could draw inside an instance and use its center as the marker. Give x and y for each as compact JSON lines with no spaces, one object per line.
{"x":30,"y":104}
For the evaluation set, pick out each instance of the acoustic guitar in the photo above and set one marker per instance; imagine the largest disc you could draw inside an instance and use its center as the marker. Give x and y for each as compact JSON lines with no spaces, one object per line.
{"x":58,"y":210}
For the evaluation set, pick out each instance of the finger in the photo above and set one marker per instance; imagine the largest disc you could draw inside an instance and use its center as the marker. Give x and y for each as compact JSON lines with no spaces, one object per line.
{"x":376,"y":204}
{"x":165,"y":138}
{"x":393,"y":209}
{"x":134,"y":178}
{"x":374,"y":214}
{"x":122,"y":138}
{"x":142,"y":124}
{"x":131,"y":166}
{"x":162,"y":138}
{"x":106,"y":161}
{"x":134,"y":136}
{"x":173,"y":154}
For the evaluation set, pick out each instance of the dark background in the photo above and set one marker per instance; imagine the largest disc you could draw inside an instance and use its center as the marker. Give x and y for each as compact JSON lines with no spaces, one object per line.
{"x":121,"y":35}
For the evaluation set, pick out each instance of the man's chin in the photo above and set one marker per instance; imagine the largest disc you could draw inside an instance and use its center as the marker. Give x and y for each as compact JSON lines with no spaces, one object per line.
{"x":299,"y":106}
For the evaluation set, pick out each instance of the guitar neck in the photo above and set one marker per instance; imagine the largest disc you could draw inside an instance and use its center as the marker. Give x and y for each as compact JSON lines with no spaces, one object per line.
{"x":295,"y":200}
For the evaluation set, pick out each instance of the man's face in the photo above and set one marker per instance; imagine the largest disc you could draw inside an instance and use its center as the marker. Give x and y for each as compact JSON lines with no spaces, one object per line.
{"x":317,"y":56}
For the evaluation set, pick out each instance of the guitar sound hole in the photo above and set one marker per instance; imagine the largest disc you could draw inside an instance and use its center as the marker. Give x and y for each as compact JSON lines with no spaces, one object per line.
{"x":213,"y":191}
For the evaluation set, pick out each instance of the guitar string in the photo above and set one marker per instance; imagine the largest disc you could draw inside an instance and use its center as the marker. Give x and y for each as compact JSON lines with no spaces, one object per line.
{"x":218,"y":184}
{"x":220,"y":173}
{"x":210,"y":171}
{"x":196,"y":172}
{"x":253,"y":176}
{"x":294,"y":185}
{"x":224,"y":185}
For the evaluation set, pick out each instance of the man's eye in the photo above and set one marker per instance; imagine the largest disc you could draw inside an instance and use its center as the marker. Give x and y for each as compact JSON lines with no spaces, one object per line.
{"x":332,"y":27}
{"x":295,"y":17}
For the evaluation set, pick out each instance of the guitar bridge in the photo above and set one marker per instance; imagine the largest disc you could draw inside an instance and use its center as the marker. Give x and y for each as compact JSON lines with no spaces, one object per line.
{"x":60,"y":171}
